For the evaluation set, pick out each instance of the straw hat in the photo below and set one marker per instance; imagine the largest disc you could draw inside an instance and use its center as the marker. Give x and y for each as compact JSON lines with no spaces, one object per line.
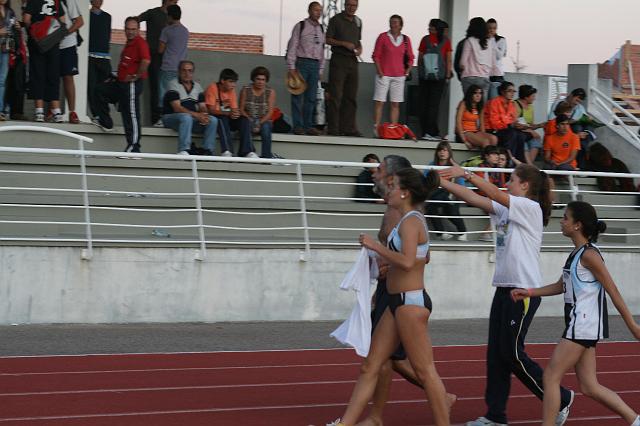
{"x":295,"y":83}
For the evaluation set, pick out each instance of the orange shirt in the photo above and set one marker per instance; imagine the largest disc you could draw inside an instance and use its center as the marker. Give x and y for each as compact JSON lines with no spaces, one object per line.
{"x":470,"y":120}
{"x":561,"y":147}
{"x":220,"y":101}
{"x":497,"y":115}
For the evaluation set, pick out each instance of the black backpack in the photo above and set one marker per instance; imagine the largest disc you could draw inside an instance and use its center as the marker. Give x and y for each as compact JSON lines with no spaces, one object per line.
{"x":300,"y":36}
{"x":457,"y":56}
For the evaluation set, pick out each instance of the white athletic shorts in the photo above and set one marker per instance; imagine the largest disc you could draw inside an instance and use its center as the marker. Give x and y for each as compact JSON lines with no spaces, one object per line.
{"x":394,"y":86}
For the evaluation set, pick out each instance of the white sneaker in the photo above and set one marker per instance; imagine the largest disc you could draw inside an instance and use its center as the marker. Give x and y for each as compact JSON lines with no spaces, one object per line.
{"x":251,"y":155}
{"x":58,"y":118}
{"x":486,"y":238}
{"x":158,"y":123}
{"x":39,"y":117}
{"x":463,"y":237}
{"x":427,"y":137}
{"x":182,"y":153}
{"x":483,"y":421}
{"x":445,"y":236}
{"x":226,"y":154}
{"x":563,"y":415}
{"x":336,"y":422}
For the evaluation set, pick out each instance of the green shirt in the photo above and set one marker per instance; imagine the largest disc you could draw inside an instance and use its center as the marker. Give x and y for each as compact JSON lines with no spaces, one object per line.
{"x":526,"y":113}
{"x":343,"y":29}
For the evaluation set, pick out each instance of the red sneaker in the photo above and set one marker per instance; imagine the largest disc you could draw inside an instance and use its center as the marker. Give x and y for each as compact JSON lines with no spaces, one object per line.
{"x":73,"y":118}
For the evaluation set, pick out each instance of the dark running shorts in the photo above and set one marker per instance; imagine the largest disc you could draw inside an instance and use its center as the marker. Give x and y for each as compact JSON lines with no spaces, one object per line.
{"x":380,"y":304}
{"x":69,"y":61}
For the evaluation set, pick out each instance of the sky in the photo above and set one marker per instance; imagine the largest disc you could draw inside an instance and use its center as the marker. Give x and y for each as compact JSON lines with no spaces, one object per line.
{"x":552,"y":33}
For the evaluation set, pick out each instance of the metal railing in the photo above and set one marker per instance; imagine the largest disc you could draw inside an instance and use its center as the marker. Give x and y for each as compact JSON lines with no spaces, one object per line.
{"x":607,"y":114}
{"x":298,"y":200}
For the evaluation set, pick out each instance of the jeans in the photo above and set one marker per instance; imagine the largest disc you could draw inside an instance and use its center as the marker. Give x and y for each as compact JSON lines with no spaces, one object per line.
{"x":4,"y":70}
{"x":241,"y":124}
{"x":265,"y":134}
{"x":165,"y":79}
{"x":303,"y":105}
{"x":185,"y":124}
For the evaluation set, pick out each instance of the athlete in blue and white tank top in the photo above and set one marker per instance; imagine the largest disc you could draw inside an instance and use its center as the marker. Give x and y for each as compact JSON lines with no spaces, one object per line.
{"x":394,"y":241}
{"x":585,"y":301}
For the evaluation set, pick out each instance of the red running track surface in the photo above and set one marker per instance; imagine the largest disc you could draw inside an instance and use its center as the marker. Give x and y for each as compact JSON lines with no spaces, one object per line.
{"x":267,"y":388}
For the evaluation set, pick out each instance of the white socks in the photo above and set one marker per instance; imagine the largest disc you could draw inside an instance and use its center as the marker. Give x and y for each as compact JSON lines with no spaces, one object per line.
{"x":637,"y":422}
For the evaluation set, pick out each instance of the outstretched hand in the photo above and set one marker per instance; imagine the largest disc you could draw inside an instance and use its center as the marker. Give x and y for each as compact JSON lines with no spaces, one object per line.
{"x":518,"y":294}
{"x":452,"y":172}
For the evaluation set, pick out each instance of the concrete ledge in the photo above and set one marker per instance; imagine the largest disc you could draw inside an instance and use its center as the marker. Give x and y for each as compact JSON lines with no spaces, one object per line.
{"x":124,"y":285}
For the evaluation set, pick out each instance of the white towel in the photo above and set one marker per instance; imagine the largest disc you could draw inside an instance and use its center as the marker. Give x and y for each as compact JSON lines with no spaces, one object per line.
{"x":356,"y":330}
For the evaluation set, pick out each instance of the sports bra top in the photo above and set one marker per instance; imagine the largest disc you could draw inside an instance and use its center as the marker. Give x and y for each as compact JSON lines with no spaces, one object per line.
{"x":394,"y":242}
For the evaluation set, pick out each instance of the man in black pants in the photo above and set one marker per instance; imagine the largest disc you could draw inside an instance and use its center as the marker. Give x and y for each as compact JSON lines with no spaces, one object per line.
{"x":99,"y":57}
{"x":127,"y":87}
{"x":156,"y":20}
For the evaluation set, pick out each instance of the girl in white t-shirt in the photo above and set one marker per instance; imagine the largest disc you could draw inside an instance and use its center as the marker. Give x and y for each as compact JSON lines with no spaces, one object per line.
{"x":519,"y":216}
{"x":584,"y":281}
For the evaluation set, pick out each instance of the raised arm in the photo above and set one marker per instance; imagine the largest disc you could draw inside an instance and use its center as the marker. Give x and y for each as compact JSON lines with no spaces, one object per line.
{"x":594,"y":263}
{"x":465,"y":194}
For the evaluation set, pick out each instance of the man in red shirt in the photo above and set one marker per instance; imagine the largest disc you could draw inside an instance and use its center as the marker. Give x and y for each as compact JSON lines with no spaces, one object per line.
{"x":126,"y":88}
{"x":561,"y":148}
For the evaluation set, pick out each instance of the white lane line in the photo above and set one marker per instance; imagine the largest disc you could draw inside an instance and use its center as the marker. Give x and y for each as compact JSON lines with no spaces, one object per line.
{"x":267,"y":351}
{"x":247,"y":385}
{"x":264,"y":408}
{"x":259,"y":367}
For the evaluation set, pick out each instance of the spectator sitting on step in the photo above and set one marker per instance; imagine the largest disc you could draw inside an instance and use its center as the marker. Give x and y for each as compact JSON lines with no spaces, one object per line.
{"x":470,"y":127}
{"x":501,"y":120}
{"x":443,"y":205}
{"x":184,"y":110}
{"x":257,"y":101}
{"x":561,"y":148}
{"x":601,"y":160}
{"x":580,"y":122}
{"x":562,"y":108}
{"x":222,"y":102}
{"x":524,"y":109}
{"x":366,"y":177}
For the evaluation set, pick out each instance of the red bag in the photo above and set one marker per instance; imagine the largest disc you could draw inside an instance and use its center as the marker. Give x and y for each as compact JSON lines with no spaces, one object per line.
{"x":394,"y":131}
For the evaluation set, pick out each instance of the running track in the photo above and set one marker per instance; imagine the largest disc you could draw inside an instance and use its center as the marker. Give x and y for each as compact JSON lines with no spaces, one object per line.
{"x":267,"y":388}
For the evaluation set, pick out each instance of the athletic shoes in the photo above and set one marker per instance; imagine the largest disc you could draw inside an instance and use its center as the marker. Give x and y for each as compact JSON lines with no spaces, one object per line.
{"x":563,"y":415}
{"x":444,"y":236}
{"x":428,"y":137}
{"x":103,"y":127}
{"x":158,"y":124}
{"x":227,"y":154}
{"x":73,"y":118}
{"x":336,"y":422}
{"x":132,"y":148}
{"x":182,"y":153}
{"x":58,"y":118}
{"x":39,"y":117}
{"x":462,"y":237}
{"x":483,"y":421}
{"x":251,"y":155}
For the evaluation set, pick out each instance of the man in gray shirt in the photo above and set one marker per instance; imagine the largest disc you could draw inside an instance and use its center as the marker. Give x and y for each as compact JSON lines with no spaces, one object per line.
{"x":173,"y":48}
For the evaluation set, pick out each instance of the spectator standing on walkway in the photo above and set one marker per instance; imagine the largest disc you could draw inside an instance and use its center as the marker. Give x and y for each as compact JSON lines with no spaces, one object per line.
{"x":7,"y":23}
{"x":16,"y":85}
{"x":127,"y":88}
{"x":257,"y":101}
{"x":99,"y":57}
{"x":393,"y":57}
{"x":156,"y":20}
{"x":173,"y":48}
{"x":499,"y":46}
{"x":44,"y":67}
{"x":343,"y":35}
{"x":434,"y":70}
{"x":305,"y":56}
{"x":69,"y":55}
{"x":478,"y":60}
{"x":185,"y":111}
{"x":222,"y":102}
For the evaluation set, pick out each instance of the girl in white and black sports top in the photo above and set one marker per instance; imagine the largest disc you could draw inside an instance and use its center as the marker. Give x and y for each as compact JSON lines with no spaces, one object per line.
{"x":519,"y":216}
{"x":412,"y":307}
{"x":584,"y":278}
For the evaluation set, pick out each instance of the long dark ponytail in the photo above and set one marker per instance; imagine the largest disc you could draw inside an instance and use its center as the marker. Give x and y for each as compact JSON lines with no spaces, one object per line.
{"x":584,"y":213}
{"x":539,"y":188}
{"x":419,"y":186}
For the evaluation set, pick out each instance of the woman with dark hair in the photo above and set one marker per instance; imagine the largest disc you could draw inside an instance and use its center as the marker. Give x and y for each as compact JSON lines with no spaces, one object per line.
{"x":470,"y":127}
{"x":584,"y":282}
{"x":526,"y":117}
{"x":499,"y":46}
{"x":443,"y":205}
{"x":256,"y":103}
{"x":406,"y":319}
{"x":501,"y":120}
{"x":434,"y":71}
{"x":364,"y":181}
{"x":7,"y":44}
{"x":519,"y":216}
{"x":393,"y":57}
{"x":478,"y":60}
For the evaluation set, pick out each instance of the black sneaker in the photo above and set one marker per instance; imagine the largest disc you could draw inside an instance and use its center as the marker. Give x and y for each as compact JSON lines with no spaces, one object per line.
{"x":103,"y":127}
{"x":206,"y":152}
{"x":132,"y":148}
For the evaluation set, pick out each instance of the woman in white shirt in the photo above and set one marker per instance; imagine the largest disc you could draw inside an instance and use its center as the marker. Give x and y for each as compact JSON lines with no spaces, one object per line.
{"x":499,"y":46}
{"x":519,"y":216}
{"x":584,"y":281}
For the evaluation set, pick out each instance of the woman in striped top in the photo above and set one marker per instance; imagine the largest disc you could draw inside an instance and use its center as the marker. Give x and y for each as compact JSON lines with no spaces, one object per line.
{"x":584,"y":281}
{"x":257,"y":101}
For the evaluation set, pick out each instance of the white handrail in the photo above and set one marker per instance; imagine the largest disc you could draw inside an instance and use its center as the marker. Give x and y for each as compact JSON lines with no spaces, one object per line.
{"x":43,"y":129}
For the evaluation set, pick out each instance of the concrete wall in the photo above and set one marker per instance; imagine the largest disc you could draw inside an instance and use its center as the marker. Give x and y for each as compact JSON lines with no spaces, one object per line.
{"x":120,"y":285}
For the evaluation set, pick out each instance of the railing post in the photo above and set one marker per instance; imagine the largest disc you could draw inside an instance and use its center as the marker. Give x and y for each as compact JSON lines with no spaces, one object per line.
{"x":575,"y":191}
{"x":202,"y":254}
{"x":303,"y":209}
{"x":87,"y":254}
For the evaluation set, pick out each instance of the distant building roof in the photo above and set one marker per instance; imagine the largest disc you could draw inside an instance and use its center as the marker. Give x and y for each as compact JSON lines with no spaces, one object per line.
{"x":239,"y":43}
